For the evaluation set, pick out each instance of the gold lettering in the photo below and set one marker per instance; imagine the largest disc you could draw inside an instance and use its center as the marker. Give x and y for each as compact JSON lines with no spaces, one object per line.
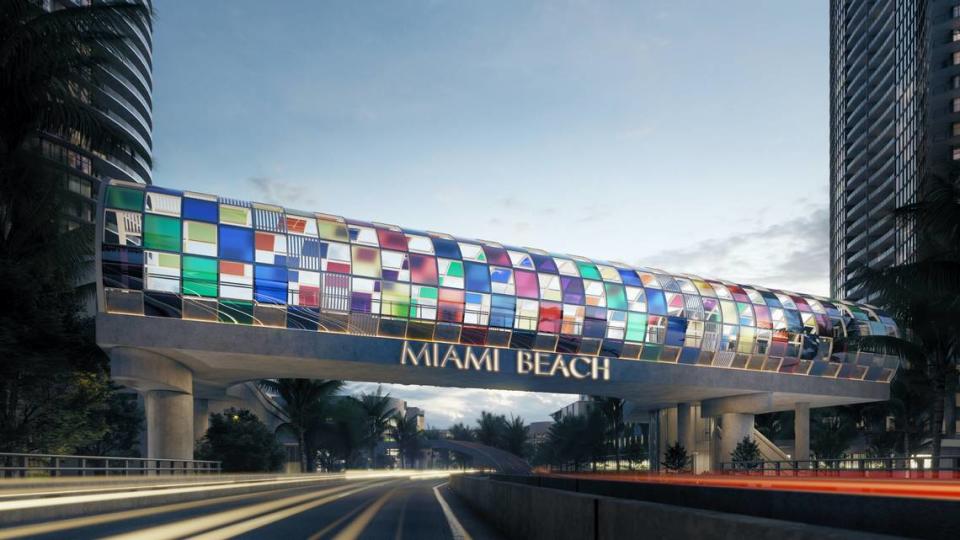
{"x":524,"y":365}
{"x":560,"y":364}
{"x":471,"y":360}
{"x":539,"y":363}
{"x":605,"y":368}
{"x":496,"y":360}
{"x":577,"y":374}
{"x":407,"y":353}
{"x":451,"y":356}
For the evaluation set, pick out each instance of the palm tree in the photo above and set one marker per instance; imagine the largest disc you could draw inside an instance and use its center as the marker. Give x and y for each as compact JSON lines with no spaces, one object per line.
{"x":48,"y":64}
{"x":461,"y":432}
{"x":490,"y":428}
{"x":405,"y":433}
{"x":612,"y":411}
{"x":305,"y":403}
{"x":377,"y":412}
{"x":515,"y":435}
{"x":924,"y":295}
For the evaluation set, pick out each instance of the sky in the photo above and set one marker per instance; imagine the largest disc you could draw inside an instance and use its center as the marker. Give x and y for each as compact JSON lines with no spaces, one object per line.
{"x":690,"y":136}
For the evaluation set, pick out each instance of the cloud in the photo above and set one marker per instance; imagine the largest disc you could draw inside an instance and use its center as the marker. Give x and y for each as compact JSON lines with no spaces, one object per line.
{"x":793,"y":254}
{"x":446,"y":406}
{"x":270,"y":190}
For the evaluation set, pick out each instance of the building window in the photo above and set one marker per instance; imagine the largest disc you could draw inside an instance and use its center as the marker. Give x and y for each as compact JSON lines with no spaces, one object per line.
{"x":956,"y":129}
{"x":955,"y":81}
{"x":956,"y":58}
{"x":956,"y":12}
{"x":955,"y":35}
{"x":956,"y":104}
{"x":956,"y":153}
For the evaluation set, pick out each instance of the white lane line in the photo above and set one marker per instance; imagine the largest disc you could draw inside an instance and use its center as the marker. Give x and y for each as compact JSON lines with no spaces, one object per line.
{"x":456,"y":529}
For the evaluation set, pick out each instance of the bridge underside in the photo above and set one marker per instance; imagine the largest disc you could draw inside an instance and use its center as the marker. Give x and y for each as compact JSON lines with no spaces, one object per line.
{"x":177,"y":360}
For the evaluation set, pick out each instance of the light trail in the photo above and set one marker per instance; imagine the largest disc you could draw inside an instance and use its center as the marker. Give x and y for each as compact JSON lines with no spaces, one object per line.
{"x":207,"y":523}
{"x":928,"y":489}
{"x":113,"y":517}
{"x":81,"y":499}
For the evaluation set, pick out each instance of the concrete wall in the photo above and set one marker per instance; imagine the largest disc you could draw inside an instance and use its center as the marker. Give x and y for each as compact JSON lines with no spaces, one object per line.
{"x":528,"y":512}
{"x":910,"y":517}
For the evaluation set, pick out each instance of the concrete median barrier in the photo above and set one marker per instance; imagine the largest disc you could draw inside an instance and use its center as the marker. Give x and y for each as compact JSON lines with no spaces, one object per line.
{"x":524,"y":511}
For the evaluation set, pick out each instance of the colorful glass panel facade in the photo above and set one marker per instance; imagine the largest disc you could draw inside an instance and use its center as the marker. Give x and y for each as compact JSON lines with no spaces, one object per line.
{"x":200,"y":257}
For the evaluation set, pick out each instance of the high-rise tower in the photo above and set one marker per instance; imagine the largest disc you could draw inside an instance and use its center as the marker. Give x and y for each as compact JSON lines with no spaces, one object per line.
{"x":894,"y":116}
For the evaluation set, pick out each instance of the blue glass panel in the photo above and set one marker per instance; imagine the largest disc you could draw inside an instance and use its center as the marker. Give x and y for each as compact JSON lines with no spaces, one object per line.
{"x":656,"y":303}
{"x":270,"y":284}
{"x":676,"y":331}
{"x":572,"y":289}
{"x":794,"y":324}
{"x":595,"y":322}
{"x":477,"y":277}
{"x":500,"y":275}
{"x":629,"y":277}
{"x":200,"y":210}
{"x":448,"y":249}
{"x":771,"y":299}
{"x":544,"y":263}
{"x":236,"y":244}
{"x":501,"y":310}
{"x":689,"y":355}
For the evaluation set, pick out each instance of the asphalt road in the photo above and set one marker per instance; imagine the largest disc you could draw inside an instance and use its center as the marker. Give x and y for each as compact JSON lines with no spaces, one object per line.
{"x":389,"y":508}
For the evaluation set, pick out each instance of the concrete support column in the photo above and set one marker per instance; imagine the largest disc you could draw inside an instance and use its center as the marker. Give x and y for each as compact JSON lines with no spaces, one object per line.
{"x":735,"y":427}
{"x":801,"y":431}
{"x":201,"y":418}
{"x":685,"y":427}
{"x":169,"y":424}
{"x":167,"y":389}
{"x":653,"y":441}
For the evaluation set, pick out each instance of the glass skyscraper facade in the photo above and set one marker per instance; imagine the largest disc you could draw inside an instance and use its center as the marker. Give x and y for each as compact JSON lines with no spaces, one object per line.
{"x":894,"y":116}
{"x":123,"y":96}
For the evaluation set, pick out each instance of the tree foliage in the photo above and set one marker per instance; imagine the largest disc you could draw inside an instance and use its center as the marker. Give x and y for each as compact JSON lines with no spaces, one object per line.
{"x":53,"y":383}
{"x":676,"y":458}
{"x":746,"y":455}
{"x":306,"y":403}
{"x":241,"y":442}
{"x":377,"y":412}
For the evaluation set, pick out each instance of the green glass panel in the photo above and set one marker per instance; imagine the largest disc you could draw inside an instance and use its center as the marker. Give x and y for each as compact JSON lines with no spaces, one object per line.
{"x":588,"y":271}
{"x":236,"y":311}
{"x":202,"y":232}
{"x":428,"y":292}
{"x":234,"y":215}
{"x":456,"y":269}
{"x":200,"y":276}
{"x":616,"y":298}
{"x":636,"y":326}
{"x":124,"y":198}
{"x":161,"y":232}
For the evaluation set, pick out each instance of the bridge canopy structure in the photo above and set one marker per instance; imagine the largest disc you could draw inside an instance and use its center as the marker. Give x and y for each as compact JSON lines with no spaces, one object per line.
{"x":198,"y":292}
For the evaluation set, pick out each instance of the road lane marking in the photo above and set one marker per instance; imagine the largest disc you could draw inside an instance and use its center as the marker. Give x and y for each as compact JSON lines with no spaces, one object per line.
{"x":357,"y":526}
{"x":402,"y":518}
{"x":103,"y":519}
{"x":196,"y":525}
{"x":456,"y":528}
{"x":246,"y":526}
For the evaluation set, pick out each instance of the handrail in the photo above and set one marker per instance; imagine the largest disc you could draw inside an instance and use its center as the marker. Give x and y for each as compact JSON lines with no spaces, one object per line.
{"x":24,"y":464}
{"x":814,"y":467}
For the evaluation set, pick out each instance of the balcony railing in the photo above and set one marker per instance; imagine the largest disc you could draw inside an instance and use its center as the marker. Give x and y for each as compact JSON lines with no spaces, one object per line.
{"x":56,"y":465}
{"x":914,"y":467}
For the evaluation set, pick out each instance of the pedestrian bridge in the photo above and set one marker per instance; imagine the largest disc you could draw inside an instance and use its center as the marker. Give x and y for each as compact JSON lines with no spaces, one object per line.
{"x":197,"y":293}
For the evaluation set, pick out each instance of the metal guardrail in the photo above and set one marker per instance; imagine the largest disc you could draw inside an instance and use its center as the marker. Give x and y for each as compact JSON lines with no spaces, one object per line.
{"x":57,"y":465}
{"x":911,"y":467}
